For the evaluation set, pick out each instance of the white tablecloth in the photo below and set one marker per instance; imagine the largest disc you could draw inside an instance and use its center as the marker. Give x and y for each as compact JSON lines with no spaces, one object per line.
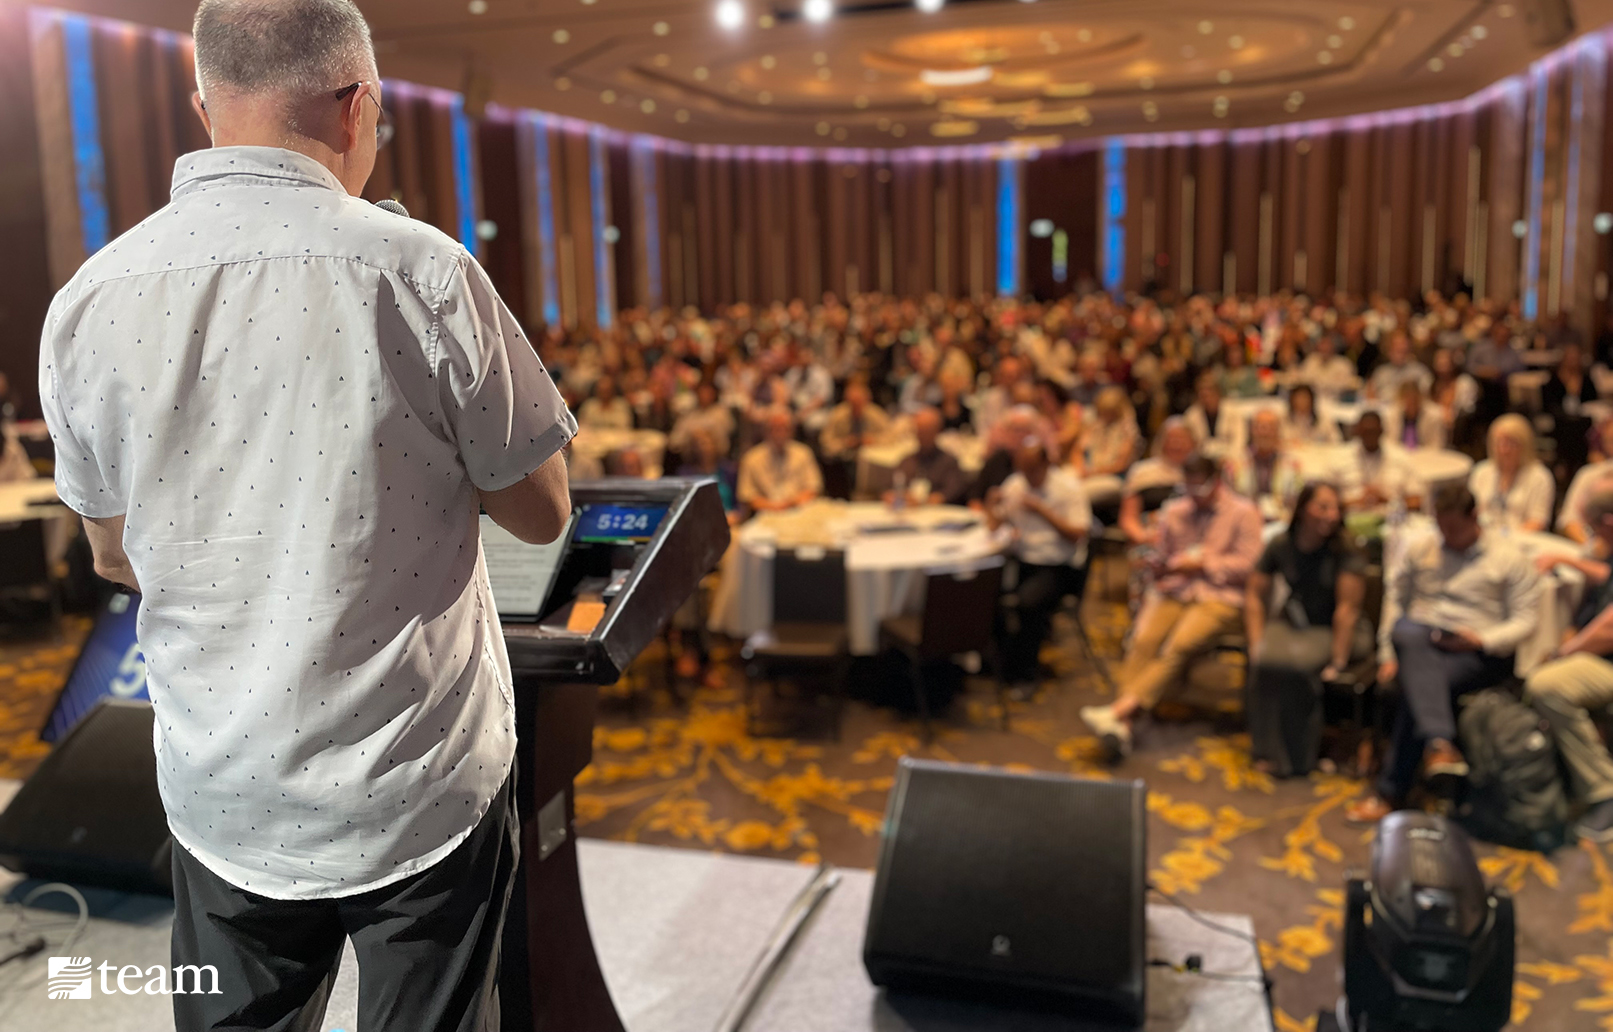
{"x":1434,"y":466}
{"x":592,"y":444}
{"x":885,"y":572}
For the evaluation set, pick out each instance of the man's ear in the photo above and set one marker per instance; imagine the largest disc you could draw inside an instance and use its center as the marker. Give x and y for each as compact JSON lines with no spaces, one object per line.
{"x":353,"y":117}
{"x":201,"y":112}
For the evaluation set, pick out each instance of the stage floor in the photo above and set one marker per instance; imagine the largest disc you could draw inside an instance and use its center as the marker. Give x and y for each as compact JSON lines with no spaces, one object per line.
{"x":677,"y":930}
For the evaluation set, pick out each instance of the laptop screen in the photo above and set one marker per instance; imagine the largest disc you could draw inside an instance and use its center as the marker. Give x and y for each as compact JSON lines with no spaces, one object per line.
{"x":521,"y":575}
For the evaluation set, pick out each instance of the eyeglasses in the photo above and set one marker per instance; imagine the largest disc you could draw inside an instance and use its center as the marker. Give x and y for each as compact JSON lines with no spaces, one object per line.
{"x":383,"y":122}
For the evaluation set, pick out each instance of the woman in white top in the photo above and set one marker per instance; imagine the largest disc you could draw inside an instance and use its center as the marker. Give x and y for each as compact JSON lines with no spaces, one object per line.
{"x":1514,"y":489}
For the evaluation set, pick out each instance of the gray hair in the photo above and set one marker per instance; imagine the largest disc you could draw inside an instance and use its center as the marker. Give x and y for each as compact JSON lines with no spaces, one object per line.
{"x":296,"y":48}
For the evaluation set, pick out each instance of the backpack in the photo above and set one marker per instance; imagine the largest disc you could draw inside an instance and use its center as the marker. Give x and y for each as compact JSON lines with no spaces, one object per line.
{"x":1514,"y":794}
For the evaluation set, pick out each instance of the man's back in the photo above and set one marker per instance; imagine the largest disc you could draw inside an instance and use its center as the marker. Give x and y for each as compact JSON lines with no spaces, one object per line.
{"x":281,"y":388}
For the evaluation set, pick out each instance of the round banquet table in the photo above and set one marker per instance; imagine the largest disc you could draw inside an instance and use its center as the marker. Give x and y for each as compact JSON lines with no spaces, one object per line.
{"x":1560,"y":589}
{"x":1434,"y":466}
{"x":592,"y":444}
{"x":885,"y":571}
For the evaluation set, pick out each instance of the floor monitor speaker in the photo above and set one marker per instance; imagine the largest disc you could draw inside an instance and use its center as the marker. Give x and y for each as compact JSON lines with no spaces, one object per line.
{"x":1023,"y":888}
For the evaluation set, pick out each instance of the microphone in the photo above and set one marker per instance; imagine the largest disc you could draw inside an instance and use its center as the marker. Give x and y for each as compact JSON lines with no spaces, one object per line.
{"x":388,"y":204}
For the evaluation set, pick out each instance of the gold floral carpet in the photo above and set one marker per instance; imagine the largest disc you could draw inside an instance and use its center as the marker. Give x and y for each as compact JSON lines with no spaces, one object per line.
{"x":681,"y":769}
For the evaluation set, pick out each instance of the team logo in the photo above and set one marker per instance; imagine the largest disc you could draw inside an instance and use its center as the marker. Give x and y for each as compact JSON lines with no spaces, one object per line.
{"x":69,"y":978}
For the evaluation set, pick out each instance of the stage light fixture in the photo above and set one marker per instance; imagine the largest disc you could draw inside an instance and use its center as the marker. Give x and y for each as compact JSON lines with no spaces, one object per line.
{"x":929,"y":6}
{"x":818,"y":11}
{"x":730,"y":14}
{"x":1520,"y":229}
{"x":1041,"y":229}
{"x":1602,"y":223}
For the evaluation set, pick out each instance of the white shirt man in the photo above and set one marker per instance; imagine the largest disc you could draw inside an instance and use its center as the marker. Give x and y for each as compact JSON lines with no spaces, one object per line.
{"x":298,"y":481}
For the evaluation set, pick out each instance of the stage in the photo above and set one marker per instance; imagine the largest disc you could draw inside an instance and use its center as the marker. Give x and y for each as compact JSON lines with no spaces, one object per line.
{"x":677,"y":931}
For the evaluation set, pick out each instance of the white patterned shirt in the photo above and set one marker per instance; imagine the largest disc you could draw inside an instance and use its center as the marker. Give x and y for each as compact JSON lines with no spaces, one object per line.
{"x":292,"y":396}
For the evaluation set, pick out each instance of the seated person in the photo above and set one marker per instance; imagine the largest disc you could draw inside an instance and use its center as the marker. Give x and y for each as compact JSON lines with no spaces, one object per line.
{"x":606,"y":409}
{"x":1237,"y":377}
{"x":955,"y":413}
{"x":1415,"y":422}
{"x":709,"y":415}
{"x":1304,"y":425}
{"x":1015,"y":425}
{"x":1456,"y":606}
{"x":1379,"y":473}
{"x":1302,"y":614}
{"x":1455,"y":392}
{"x":1176,"y":444}
{"x":1208,"y":544}
{"x":703,"y":458}
{"x":1204,"y":416}
{"x":781,"y":472}
{"x":1571,"y":522}
{"x":1579,"y":678}
{"x":1111,"y":439}
{"x":1514,"y":488}
{"x":1325,"y":370}
{"x":854,"y":422}
{"x":1263,"y":473}
{"x":932,"y":471}
{"x":1398,"y":369}
{"x":1046,"y":509}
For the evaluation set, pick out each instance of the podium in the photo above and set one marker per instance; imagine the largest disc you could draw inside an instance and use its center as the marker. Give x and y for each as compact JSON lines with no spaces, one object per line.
{"x":650,"y":542}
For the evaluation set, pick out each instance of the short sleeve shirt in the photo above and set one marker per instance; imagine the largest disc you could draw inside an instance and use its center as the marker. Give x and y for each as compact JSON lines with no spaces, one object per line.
{"x":1312,"y":577}
{"x":292,"y":397}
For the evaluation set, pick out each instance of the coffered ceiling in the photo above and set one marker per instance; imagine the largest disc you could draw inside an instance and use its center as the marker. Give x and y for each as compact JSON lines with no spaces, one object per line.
{"x":883,"y":73}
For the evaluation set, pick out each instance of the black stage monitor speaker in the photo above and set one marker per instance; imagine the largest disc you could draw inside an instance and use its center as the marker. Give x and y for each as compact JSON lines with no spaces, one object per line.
{"x":1019,"y":888}
{"x":91,"y":814}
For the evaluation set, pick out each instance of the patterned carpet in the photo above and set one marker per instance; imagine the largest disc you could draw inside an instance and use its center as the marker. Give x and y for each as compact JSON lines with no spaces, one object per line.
{"x":684,"y":771}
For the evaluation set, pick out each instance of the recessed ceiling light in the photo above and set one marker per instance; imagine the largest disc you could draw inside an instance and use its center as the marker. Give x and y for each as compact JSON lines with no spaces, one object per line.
{"x":1146,"y":82}
{"x":769,"y":61}
{"x":1334,"y":42}
{"x":680,"y":115}
{"x":955,"y":77}
{"x":478,"y":6}
{"x":608,"y":96}
{"x":1223,"y":76}
{"x":1505,"y":11}
{"x":731,"y":14}
{"x":561,"y":36}
{"x":1325,"y":57}
{"x":860,"y":102}
{"x":1235,"y":42}
{"x":824,"y":74}
{"x":663,"y":60}
{"x":1455,"y":50}
{"x":1206,"y":27}
{"x":1479,"y":31}
{"x":898,"y":129}
{"x":660,"y":28}
{"x":701,"y":73}
{"x":929,"y":6}
{"x":884,"y":125}
{"x":562,"y":84}
{"x":647,"y":106}
{"x":818,"y":10}
{"x":1436,"y":64}
{"x":1083,"y":35}
{"x":822,"y":128}
{"x":820,"y":58}
{"x":1346,"y":23}
{"x":765,"y":22}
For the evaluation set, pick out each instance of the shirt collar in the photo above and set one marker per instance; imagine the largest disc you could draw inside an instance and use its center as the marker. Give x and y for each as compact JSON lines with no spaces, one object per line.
{"x":262,"y":166}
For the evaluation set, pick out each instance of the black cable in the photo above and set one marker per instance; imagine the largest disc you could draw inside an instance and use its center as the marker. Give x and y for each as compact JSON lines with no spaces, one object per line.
{"x":1201,"y":919}
{"x":1262,"y":979}
{"x":28,"y":949}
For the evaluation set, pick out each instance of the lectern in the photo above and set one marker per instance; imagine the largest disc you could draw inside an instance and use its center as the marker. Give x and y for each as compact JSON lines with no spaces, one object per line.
{"x":637,"y":550}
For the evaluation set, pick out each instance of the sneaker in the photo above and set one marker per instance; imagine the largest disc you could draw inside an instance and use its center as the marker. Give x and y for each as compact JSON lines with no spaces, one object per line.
{"x":1443,"y":769}
{"x":1597,"y":823}
{"x":1112,"y":732}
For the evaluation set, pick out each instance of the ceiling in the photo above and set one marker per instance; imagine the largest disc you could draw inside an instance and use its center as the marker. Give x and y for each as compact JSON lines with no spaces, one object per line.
{"x":881,"y":73}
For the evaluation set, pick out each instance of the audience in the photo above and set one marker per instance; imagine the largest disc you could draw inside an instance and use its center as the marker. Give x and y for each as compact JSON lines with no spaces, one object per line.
{"x":854,"y":422}
{"x":1263,"y":473}
{"x":1579,"y":678}
{"x":1326,"y":371}
{"x":1413,"y":423}
{"x":1163,"y":471}
{"x":1304,"y":425}
{"x":1379,"y":473}
{"x":1111,"y":439}
{"x":1204,"y":415}
{"x":1571,"y":520}
{"x":1208,"y":544}
{"x":1398,"y":369}
{"x":1514,"y":488}
{"x":1456,"y":606}
{"x":1046,"y":511}
{"x":1303,"y":618}
{"x":606,"y":409}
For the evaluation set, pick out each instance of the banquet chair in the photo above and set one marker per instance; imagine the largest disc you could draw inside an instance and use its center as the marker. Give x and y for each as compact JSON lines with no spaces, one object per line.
{"x":1071,"y":607}
{"x":808,"y":639}
{"x":25,"y":576}
{"x":959,"y":617}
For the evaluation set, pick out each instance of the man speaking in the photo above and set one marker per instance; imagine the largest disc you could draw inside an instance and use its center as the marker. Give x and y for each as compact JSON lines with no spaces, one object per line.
{"x":278,"y":409}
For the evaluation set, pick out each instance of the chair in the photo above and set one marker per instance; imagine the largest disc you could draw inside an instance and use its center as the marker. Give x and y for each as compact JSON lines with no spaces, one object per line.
{"x":959,"y":618}
{"x":1071,"y":607}
{"x":25,"y":571}
{"x":808,"y":636}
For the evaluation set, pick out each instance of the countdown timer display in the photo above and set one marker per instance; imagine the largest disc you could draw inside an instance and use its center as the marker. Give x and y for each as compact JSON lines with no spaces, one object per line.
{"x":619,"y":522}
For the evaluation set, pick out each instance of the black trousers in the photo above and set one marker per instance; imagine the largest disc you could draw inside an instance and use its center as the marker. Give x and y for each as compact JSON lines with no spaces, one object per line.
{"x":1028,"y":623}
{"x":428,"y":946}
{"x":1430,"y":681}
